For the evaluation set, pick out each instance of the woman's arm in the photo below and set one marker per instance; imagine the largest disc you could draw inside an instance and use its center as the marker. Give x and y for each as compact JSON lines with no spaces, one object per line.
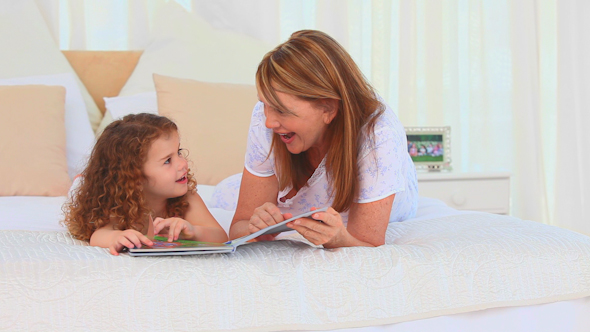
{"x":367,"y":223}
{"x":255,"y":191}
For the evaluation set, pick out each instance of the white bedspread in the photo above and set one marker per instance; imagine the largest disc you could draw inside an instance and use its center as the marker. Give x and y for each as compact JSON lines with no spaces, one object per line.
{"x":430,"y":267}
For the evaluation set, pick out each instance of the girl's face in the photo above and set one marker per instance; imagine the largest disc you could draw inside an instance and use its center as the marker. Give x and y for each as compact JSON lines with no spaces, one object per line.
{"x":301,"y":126}
{"x":165,"y":169}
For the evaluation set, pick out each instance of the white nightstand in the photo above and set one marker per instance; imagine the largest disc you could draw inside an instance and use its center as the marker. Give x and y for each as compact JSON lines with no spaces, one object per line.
{"x":487,"y":192}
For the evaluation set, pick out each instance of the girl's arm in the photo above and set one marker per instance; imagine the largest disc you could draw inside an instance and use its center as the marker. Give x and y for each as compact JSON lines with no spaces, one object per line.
{"x":206,"y":228}
{"x":116,"y":240}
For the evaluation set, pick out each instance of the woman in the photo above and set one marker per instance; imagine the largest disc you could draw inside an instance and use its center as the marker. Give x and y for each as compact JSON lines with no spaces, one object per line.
{"x":320,"y":136}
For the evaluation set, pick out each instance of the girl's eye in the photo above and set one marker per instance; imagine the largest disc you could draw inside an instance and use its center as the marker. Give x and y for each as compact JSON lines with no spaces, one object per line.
{"x":183,"y":153}
{"x":167,"y":161}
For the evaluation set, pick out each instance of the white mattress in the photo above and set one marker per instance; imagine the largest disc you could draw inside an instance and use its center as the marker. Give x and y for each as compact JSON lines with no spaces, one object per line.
{"x":444,"y":270}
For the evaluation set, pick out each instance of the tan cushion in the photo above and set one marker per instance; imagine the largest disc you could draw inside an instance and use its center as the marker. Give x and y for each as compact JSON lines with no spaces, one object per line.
{"x":33,"y":141}
{"x":213,"y":119}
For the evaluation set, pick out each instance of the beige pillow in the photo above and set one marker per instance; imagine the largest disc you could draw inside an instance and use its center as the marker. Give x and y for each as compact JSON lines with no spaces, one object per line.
{"x":213,"y":119}
{"x":33,"y":141}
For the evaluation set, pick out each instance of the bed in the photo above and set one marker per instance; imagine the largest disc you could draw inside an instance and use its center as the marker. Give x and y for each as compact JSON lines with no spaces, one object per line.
{"x":444,"y":270}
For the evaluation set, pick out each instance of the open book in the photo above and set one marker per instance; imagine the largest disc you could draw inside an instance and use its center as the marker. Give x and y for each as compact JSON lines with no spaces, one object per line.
{"x":162,"y":247}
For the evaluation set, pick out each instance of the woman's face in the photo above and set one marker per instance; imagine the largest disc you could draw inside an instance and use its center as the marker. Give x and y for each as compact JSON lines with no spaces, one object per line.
{"x":302,"y":126}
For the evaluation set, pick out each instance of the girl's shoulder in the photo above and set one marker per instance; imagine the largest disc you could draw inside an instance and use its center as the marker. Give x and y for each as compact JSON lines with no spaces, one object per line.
{"x":193,"y":197}
{"x":195,"y":203}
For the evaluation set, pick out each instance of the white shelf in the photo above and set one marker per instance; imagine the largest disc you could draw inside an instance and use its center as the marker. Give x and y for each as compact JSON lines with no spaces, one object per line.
{"x":486,"y":192}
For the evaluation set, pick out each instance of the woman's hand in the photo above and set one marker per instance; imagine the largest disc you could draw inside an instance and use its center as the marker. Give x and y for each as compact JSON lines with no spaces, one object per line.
{"x":330,"y":232}
{"x":129,"y":238}
{"x":174,"y":228}
{"x":266,"y":215}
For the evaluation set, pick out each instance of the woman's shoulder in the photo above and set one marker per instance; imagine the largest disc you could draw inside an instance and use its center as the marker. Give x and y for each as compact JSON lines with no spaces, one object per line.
{"x":387,"y":125}
{"x":388,"y":120}
{"x":258,"y":130}
{"x":387,"y":133}
{"x":258,"y":116}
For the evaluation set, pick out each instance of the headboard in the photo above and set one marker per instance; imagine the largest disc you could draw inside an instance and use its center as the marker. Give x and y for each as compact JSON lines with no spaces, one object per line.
{"x":104,"y":73}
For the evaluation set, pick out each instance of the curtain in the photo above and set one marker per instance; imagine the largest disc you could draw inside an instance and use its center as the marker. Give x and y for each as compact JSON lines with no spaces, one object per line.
{"x":509,"y":77}
{"x":572,"y":182}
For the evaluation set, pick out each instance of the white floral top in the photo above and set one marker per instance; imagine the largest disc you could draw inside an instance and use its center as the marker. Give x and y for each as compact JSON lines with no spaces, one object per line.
{"x":385,"y":168}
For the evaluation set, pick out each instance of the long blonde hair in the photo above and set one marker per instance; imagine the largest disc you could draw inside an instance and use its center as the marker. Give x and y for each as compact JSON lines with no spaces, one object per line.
{"x":312,"y":66}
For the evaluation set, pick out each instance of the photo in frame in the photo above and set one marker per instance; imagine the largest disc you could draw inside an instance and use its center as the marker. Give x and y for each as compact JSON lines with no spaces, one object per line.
{"x":430,"y":147}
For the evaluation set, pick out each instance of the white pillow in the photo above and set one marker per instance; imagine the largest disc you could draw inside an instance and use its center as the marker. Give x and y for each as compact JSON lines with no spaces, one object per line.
{"x":185,"y":46}
{"x":79,"y":134}
{"x":118,"y":107}
{"x":27,"y":48}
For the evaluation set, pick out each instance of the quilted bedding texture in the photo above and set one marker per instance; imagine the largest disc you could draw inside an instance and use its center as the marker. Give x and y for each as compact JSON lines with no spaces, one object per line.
{"x":427,"y":268}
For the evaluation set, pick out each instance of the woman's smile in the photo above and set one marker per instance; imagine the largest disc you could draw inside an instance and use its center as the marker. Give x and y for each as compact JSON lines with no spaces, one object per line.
{"x":300,"y":124}
{"x":287,"y":138}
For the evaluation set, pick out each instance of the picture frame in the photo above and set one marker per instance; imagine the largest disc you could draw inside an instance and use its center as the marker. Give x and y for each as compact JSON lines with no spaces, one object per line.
{"x":430,"y":147}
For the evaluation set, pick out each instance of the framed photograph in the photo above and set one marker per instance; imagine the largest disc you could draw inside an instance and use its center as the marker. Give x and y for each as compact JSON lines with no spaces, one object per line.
{"x":430,"y":147}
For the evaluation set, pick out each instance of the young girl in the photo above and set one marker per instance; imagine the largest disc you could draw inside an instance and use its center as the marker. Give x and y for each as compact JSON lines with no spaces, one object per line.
{"x":138,"y":172}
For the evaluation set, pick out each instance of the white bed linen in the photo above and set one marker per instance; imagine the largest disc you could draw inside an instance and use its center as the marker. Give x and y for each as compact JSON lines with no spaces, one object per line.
{"x":32,"y":213}
{"x":43,"y":213}
{"x":40,"y":213}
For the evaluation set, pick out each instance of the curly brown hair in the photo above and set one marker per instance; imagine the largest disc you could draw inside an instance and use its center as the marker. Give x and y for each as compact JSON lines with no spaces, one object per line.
{"x":110,"y":188}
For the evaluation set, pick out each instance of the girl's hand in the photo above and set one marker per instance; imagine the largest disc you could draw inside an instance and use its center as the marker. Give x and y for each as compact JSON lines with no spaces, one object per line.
{"x":330,"y":232}
{"x":129,"y":238}
{"x":174,"y":227}
{"x":266,"y":215}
